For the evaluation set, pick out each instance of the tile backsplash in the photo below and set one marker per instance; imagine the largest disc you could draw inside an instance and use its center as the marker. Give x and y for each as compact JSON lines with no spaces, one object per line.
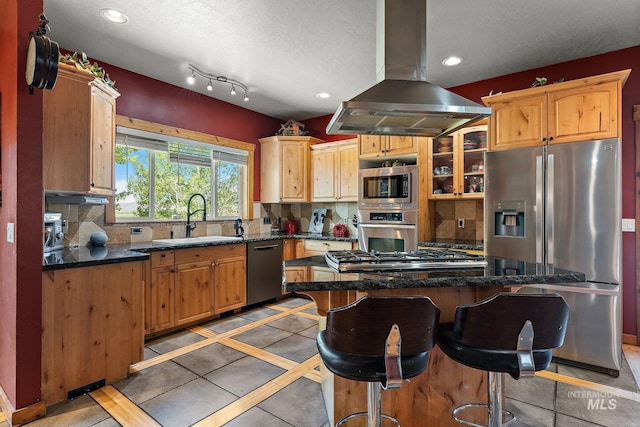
{"x":302,"y":212}
{"x":447,"y":214}
{"x":84,"y":220}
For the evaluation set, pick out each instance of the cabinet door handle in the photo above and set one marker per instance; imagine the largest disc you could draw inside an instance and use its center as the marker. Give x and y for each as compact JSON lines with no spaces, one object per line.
{"x":172,"y":270}
{"x":550,"y":138}
{"x":163,"y":255}
{"x":544,"y":139}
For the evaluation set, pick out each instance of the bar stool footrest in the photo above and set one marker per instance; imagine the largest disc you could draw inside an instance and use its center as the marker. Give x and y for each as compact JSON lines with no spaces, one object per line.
{"x":511,"y":417}
{"x":366,"y":414}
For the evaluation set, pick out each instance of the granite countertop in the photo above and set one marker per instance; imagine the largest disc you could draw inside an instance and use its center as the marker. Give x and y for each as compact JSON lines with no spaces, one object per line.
{"x":96,"y":255}
{"x":498,"y":272}
{"x":474,"y":245}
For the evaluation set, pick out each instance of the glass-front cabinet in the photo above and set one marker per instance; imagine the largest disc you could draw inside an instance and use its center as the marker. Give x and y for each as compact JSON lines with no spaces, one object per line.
{"x":456,"y":163}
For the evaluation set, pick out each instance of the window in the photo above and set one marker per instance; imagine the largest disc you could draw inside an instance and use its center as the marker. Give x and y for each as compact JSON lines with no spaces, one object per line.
{"x":156,"y":175}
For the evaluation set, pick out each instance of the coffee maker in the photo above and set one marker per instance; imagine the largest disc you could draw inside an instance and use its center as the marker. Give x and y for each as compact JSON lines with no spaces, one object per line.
{"x":53,"y":234}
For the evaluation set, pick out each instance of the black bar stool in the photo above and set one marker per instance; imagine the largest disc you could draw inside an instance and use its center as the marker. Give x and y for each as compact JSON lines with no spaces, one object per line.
{"x":508,"y":332}
{"x":363,"y":342}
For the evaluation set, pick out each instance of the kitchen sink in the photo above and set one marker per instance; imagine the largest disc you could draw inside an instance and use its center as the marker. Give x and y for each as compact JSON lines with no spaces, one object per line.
{"x":196,"y":240}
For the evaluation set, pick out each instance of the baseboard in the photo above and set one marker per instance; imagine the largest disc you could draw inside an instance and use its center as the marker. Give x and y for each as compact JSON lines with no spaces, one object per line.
{"x":629,"y":339}
{"x":20,"y":416}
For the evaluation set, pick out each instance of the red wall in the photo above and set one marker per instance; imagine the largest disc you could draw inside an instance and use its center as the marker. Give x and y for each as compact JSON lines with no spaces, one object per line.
{"x":600,"y":64}
{"x":21,"y":261}
{"x":152,"y":100}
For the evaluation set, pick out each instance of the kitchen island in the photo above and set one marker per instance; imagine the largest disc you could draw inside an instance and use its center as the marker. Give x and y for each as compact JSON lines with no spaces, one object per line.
{"x":426,"y":400}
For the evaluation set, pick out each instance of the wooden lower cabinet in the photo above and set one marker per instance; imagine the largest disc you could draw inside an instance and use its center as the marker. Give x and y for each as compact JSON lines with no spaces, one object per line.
{"x":313,"y":247}
{"x":230,"y":289}
{"x":194,"y":291}
{"x":192,"y":284}
{"x":162,"y":307}
{"x":92,"y":326}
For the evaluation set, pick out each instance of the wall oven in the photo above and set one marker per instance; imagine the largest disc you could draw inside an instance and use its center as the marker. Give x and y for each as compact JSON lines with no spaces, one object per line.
{"x":388,"y":209}
{"x":388,"y":187}
{"x":387,"y":230}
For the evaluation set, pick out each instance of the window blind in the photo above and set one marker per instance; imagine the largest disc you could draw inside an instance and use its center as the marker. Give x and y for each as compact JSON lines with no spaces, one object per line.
{"x":181,"y":150}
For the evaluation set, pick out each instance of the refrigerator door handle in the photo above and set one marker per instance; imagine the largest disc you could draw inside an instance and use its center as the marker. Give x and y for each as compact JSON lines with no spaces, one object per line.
{"x":539,"y":209}
{"x":550,"y":208}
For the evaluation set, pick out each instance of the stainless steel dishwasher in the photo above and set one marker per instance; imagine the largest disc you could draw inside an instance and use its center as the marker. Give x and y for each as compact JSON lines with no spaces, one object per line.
{"x":264,"y":270}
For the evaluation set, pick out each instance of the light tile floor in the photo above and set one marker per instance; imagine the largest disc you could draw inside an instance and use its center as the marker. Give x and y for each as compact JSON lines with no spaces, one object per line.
{"x":186,"y":380}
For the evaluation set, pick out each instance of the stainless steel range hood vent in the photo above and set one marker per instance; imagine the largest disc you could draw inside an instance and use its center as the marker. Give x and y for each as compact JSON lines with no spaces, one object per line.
{"x":403,"y":102}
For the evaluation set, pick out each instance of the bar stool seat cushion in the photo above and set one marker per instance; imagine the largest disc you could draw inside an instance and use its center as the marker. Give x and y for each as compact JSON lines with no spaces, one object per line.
{"x":366,"y":368}
{"x":486,"y":359}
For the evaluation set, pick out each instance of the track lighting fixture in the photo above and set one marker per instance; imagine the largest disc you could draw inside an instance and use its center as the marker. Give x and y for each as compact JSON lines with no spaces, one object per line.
{"x":222,"y":79}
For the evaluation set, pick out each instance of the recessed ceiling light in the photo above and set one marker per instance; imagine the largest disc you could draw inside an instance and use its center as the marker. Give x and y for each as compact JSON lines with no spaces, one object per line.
{"x":451,"y":61}
{"x":114,"y":16}
{"x":323,"y":95}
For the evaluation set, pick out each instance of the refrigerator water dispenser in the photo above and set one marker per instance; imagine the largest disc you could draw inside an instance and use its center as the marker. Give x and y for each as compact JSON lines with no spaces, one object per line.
{"x":509,"y":218}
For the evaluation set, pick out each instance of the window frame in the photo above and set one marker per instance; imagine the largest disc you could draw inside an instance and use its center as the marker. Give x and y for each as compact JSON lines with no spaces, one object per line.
{"x":171,"y":131}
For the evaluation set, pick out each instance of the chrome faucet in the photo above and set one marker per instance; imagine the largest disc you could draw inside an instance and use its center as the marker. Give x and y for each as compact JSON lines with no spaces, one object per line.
{"x":189,"y":212}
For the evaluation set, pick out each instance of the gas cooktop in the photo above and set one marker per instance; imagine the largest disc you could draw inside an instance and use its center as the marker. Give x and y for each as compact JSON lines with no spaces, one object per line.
{"x":357,"y":260}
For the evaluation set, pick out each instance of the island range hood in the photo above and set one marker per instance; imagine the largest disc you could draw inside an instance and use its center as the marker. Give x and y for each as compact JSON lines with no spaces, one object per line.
{"x":403,"y":102}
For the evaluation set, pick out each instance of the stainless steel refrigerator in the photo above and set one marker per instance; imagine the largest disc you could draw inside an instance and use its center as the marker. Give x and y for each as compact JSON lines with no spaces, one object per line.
{"x":560,"y":206}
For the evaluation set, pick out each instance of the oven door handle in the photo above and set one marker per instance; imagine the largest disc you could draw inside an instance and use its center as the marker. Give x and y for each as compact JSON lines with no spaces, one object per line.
{"x":401,"y":226}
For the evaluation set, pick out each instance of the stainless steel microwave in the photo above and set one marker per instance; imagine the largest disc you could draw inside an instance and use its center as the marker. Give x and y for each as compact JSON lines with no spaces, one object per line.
{"x":390,"y":187}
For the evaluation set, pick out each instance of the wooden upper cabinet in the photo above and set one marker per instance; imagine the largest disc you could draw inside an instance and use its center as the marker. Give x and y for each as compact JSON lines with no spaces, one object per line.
{"x":519,"y":122}
{"x":584,"y":113}
{"x":334,"y":171}
{"x":348,"y":171}
{"x":372,"y":146}
{"x":284,"y":168}
{"x":79,"y":134}
{"x":324,"y":173}
{"x":455,"y":165}
{"x":295,"y":171}
{"x":577,"y":110}
{"x":103,"y":138}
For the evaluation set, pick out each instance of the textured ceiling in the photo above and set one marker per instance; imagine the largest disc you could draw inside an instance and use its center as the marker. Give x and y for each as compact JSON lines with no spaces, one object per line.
{"x":286,"y":51}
